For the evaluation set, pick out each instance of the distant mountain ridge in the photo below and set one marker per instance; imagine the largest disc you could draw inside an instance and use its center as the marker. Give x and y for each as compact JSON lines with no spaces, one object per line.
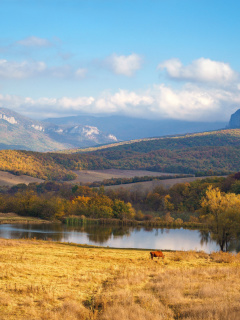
{"x":23,"y":133}
{"x":127,"y":128}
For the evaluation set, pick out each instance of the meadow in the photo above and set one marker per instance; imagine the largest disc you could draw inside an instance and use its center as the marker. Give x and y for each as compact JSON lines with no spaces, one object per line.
{"x":9,"y":179}
{"x":88,"y":176}
{"x":12,"y":217}
{"x":150,"y":185}
{"x":50,"y":280}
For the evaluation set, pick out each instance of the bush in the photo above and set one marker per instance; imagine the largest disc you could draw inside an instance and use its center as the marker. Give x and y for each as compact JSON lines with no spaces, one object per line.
{"x":179,"y":221}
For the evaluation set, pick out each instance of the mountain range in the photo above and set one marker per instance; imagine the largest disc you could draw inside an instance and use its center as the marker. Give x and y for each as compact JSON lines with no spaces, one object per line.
{"x":18,"y":132}
{"x":22,"y":133}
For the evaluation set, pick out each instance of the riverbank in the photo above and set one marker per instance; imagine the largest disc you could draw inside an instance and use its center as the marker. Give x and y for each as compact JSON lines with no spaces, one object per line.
{"x":50,"y":280}
{"x":13,"y":218}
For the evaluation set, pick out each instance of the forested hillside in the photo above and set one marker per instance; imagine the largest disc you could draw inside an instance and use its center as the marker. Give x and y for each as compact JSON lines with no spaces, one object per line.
{"x":207,"y":153}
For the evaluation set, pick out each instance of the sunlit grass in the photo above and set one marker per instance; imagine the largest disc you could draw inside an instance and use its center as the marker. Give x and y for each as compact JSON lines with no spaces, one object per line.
{"x":11,"y":217}
{"x":47,"y":280}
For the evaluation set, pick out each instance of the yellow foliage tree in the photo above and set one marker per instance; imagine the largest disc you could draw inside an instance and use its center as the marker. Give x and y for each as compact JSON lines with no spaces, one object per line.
{"x":167,"y":203}
{"x":222,"y":212}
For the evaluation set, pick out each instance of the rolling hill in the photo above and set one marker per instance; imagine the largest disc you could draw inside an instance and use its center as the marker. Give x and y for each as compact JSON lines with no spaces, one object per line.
{"x":208,"y":153}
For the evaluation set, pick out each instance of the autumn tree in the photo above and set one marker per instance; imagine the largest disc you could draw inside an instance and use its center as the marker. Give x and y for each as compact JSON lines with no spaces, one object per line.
{"x":222,"y":212}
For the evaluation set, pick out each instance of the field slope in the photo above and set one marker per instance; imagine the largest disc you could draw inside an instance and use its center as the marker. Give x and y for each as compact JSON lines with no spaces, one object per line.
{"x":47,"y":280}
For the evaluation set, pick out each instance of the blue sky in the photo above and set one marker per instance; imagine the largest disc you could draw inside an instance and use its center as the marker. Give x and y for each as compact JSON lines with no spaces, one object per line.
{"x":153,"y":58}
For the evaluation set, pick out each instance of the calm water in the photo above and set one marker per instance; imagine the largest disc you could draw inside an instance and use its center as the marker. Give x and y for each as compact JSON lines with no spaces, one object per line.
{"x":116,"y":236}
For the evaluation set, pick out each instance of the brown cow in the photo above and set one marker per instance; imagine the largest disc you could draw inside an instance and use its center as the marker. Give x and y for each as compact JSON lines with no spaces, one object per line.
{"x":157,"y":254}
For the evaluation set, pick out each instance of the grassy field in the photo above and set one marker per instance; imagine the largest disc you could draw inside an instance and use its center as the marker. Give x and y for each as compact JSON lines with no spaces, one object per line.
{"x":8,"y":179}
{"x":15,"y":218}
{"x":88,"y":176}
{"x":47,"y":280}
{"x":150,"y":185}
{"x":83,"y":176}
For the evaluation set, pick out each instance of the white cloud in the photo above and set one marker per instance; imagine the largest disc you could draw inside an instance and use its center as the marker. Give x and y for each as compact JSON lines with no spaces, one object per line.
{"x":191,"y":102}
{"x":28,"y":69}
{"x":202,"y":70}
{"x":75,"y":103}
{"x":124,"y":65}
{"x":20,"y":70}
{"x":123,"y":101}
{"x":34,"y":42}
{"x":81,"y":73}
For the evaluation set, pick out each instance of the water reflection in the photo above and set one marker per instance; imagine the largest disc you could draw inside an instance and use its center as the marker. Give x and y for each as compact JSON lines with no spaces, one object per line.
{"x":204,"y":237}
{"x":119,"y":236}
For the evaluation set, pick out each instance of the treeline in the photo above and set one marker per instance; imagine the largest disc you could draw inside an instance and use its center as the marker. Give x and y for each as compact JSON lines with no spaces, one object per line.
{"x":119,"y":181}
{"x":54,"y":200}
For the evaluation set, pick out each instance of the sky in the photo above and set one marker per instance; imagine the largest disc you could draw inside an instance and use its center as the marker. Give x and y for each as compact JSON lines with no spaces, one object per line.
{"x":153,"y":59}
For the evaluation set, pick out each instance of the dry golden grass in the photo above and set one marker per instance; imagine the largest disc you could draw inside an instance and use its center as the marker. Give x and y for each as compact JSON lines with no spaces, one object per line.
{"x":12,"y":217}
{"x":46,"y":280}
{"x":9,"y":179}
{"x":86,"y":176}
{"x":150,"y":185}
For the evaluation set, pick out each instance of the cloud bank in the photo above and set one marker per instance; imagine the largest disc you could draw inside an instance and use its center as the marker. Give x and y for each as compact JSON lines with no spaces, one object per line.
{"x":160,"y":101}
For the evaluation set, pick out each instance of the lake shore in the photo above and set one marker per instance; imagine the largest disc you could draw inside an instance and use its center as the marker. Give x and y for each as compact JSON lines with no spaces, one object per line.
{"x":52,"y":280}
{"x":13,"y":218}
{"x":154,"y":223}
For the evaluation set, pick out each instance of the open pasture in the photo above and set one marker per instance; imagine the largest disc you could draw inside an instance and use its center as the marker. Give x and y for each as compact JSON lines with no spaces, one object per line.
{"x":150,"y":185}
{"x":49,"y":280}
{"x":9,"y":179}
{"x":88,"y":176}
{"x":11,"y":217}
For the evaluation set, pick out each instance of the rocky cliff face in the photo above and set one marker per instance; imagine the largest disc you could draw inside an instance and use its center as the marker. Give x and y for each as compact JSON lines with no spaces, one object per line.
{"x":234,"y":122}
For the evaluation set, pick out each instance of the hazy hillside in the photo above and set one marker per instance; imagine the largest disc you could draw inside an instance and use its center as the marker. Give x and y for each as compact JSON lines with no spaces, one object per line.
{"x":21,"y":133}
{"x":127,"y":128}
{"x":202,"y":154}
